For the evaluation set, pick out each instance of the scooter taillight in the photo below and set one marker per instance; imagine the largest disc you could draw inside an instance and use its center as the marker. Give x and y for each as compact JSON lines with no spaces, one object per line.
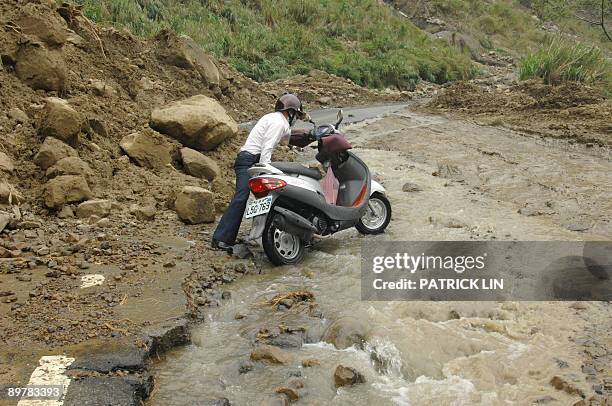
{"x":263,"y":185}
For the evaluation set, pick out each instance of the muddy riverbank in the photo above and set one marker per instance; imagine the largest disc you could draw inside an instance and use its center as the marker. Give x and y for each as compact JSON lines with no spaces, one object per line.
{"x":448,"y":180}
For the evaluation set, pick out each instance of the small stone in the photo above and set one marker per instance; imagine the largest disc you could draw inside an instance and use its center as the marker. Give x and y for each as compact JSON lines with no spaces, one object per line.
{"x":291,"y":393}
{"x":143,"y":213}
{"x":24,"y":278}
{"x":310,"y":362}
{"x":347,"y":376}
{"x":271,"y":354}
{"x":195,"y":205}
{"x":226,"y":295}
{"x":65,"y":212}
{"x":96,"y":207}
{"x":43,"y":251}
{"x":18,"y":115}
{"x":169,"y":264}
{"x":245,"y":366}
{"x":411,"y":187}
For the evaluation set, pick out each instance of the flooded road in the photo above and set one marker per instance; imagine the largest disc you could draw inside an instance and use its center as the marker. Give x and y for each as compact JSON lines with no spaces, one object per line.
{"x":467,"y":182}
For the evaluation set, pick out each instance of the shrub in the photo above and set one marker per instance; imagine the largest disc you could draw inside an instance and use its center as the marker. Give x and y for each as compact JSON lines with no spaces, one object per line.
{"x":558,"y":62}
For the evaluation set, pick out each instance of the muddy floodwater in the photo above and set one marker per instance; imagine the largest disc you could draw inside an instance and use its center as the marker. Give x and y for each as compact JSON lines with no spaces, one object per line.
{"x":474,"y":183}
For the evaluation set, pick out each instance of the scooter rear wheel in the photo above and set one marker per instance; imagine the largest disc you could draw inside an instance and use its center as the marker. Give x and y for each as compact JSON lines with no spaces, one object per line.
{"x":377,"y":217}
{"x":280,"y":247}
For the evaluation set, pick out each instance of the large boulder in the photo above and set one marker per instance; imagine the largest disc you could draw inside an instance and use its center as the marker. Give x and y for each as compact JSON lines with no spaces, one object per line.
{"x":6,"y":163}
{"x":72,"y":165}
{"x":66,"y":189}
{"x":195,"y":205}
{"x":148,"y":149}
{"x":95,"y":207}
{"x":184,"y":52}
{"x":41,"y":68}
{"x":51,"y":151}
{"x":197,"y":122}
{"x":199,"y":165}
{"x":49,"y":29}
{"x":61,"y":121}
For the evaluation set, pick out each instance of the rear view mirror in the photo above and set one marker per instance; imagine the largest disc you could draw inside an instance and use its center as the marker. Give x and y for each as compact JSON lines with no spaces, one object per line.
{"x":340,"y":117}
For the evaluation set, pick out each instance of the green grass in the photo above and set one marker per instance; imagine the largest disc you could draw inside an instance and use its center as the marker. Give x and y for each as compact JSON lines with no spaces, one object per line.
{"x":560,"y":63}
{"x":271,"y":39}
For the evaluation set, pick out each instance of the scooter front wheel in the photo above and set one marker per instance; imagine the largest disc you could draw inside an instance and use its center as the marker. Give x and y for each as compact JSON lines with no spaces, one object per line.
{"x":377,"y":216}
{"x":280,"y":247}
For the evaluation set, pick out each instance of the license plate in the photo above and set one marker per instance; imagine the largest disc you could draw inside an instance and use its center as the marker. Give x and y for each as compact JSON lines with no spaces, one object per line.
{"x":258,"y":207}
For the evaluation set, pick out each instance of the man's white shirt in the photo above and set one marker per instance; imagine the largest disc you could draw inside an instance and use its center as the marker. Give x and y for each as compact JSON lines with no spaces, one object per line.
{"x":266,"y":134}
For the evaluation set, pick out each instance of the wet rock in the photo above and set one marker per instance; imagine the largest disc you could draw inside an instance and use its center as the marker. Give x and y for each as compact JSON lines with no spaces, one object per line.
{"x":271,"y":354}
{"x":95,"y":207}
{"x":347,"y":376}
{"x":310,"y":362}
{"x":6,"y":163}
{"x":51,"y":151}
{"x":580,"y":222}
{"x":279,"y":400}
{"x":61,"y":121}
{"x":217,"y":402}
{"x":41,"y":68}
{"x":109,"y":390}
{"x":241,"y":251}
{"x":18,"y":115}
{"x":66,"y":189}
{"x":411,"y":187}
{"x":199,"y":165}
{"x":195,"y":205}
{"x":72,"y":165}
{"x":562,"y":384}
{"x":198,"y":122}
{"x":143,"y":213}
{"x":346,"y":332}
{"x":291,"y":393}
{"x":286,"y":341}
{"x":245,"y":366}
{"x":148,"y":149}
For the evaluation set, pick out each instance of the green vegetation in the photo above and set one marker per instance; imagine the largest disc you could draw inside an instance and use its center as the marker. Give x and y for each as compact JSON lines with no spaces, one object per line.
{"x":271,"y":39}
{"x":559,"y":63}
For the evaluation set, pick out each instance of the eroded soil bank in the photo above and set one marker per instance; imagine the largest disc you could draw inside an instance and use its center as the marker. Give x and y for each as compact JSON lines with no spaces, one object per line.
{"x":465,"y":181}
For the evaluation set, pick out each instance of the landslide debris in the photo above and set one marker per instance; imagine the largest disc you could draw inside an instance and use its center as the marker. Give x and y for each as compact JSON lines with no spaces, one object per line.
{"x":570,"y":110}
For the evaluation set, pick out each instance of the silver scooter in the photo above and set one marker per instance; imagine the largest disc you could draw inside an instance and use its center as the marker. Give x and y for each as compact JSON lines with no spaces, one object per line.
{"x":291,"y":210}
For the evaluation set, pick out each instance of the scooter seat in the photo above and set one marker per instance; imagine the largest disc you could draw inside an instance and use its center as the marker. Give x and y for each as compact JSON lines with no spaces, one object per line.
{"x":297,"y":169}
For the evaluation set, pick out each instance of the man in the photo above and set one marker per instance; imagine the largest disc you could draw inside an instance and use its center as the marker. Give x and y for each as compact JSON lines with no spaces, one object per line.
{"x":263,"y":138}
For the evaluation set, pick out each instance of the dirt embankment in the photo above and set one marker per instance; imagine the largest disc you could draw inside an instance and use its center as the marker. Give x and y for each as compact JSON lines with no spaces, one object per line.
{"x":571,"y":110}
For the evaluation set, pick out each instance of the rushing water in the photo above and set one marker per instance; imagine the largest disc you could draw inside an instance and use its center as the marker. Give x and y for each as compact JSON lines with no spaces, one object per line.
{"x":445,"y":353}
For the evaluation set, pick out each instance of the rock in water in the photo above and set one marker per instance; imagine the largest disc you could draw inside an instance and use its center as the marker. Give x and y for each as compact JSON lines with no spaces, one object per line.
{"x":347,"y":376}
{"x":96,"y":207}
{"x":148,"y":149}
{"x":51,"y":151}
{"x":6,"y":163}
{"x":61,"y":121}
{"x":197,"y":122}
{"x":195,"y":205}
{"x":40,"y":68}
{"x":71,"y":165}
{"x":271,"y":354}
{"x":346,"y":332}
{"x":66,"y":189}
{"x":199,"y":165}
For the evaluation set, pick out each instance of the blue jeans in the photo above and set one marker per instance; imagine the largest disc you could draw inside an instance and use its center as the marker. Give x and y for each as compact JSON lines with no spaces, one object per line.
{"x":228,"y":226}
